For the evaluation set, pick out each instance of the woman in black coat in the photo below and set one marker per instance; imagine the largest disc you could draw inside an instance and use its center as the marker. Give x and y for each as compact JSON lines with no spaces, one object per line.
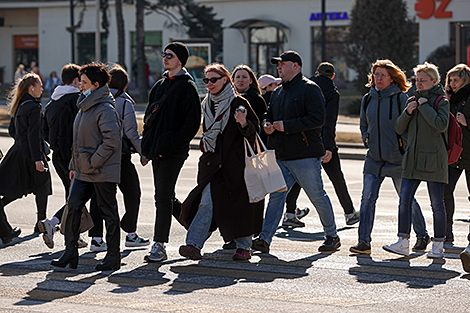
{"x":24,"y":169}
{"x":221,"y":197}
{"x":458,"y":93}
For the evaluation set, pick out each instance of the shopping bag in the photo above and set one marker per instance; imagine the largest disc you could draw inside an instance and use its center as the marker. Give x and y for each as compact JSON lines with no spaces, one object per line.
{"x":262,"y":174}
{"x":86,"y":222}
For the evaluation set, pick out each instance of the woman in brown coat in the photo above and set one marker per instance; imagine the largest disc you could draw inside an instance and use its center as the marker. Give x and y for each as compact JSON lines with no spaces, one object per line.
{"x":221,"y":199}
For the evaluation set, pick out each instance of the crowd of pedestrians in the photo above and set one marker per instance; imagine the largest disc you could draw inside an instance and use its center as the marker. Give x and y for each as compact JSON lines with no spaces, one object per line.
{"x":90,"y":125}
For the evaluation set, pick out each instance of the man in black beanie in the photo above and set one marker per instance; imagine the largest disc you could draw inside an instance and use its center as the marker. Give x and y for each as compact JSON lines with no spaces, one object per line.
{"x":171,"y":121}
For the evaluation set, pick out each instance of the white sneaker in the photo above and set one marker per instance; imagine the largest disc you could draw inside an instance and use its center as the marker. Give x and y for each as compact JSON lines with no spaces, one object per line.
{"x":402,"y":247}
{"x":437,"y":250}
{"x":47,"y":230}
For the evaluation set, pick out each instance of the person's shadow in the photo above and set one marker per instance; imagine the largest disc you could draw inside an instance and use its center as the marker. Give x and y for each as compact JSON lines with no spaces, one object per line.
{"x":217,"y":270}
{"x":18,"y":240}
{"x":369,"y":271}
{"x":59,"y":283}
{"x":295,"y":234}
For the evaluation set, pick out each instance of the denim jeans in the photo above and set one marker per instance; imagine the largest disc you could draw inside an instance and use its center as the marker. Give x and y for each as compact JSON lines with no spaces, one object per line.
{"x":370,"y":194}
{"x":436,"y":194}
{"x":199,"y":229}
{"x":306,"y":172}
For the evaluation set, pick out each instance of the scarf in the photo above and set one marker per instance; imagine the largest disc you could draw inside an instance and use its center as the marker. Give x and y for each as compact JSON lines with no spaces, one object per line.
{"x":460,"y":95}
{"x":213,"y":121}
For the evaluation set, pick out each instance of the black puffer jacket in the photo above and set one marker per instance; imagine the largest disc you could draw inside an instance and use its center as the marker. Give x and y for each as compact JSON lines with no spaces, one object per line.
{"x":299,"y":103}
{"x":460,"y":102}
{"x":176,"y":121}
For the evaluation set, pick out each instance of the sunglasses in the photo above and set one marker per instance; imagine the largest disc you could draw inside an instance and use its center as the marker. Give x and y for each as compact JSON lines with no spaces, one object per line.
{"x":169,"y":56}
{"x":212,"y":80}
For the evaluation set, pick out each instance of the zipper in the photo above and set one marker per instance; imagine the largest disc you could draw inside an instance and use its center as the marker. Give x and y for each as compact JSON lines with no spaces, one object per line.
{"x":378,"y":130}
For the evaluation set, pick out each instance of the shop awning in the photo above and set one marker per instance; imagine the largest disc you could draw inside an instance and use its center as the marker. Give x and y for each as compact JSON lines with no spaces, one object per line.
{"x":257,"y":23}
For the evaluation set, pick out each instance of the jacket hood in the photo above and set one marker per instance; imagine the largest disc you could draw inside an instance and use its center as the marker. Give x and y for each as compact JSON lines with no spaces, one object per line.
{"x":61,"y":91}
{"x":124,"y":95}
{"x":391,"y":90}
{"x":436,"y":90}
{"x":324,"y":82}
{"x":98,"y":96}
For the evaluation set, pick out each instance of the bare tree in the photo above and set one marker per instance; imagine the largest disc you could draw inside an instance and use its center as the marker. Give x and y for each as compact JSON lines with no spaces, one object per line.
{"x":140,"y":48}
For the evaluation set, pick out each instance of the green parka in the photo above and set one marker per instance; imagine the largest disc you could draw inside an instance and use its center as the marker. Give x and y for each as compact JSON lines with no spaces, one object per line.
{"x":425,"y":156}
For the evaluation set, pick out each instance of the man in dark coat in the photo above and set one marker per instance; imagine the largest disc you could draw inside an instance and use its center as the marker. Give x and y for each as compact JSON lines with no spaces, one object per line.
{"x":330,"y":162}
{"x":172,"y":119}
{"x":57,"y":126}
{"x":293,"y":124}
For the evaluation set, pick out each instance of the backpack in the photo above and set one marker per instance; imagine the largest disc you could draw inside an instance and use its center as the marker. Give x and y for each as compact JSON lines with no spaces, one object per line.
{"x":454,"y":136}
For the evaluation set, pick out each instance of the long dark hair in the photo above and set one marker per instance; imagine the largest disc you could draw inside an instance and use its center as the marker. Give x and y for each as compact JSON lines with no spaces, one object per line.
{"x":254,"y":82}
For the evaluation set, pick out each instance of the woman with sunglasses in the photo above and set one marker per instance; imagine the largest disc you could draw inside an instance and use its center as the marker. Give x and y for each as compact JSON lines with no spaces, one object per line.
{"x":425,"y":119}
{"x":221,"y":199}
{"x":379,"y":110}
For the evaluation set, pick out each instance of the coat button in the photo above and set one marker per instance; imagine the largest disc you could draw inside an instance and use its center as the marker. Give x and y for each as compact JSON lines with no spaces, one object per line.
{"x":208,"y":163}
{"x":220,"y":165}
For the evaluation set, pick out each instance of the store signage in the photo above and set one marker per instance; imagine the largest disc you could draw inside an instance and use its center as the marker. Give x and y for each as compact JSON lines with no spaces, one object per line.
{"x":26,"y":42}
{"x":427,"y":8}
{"x":332,"y":16}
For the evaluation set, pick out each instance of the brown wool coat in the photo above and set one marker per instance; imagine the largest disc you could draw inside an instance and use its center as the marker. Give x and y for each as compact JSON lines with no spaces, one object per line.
{"x":224,"y":169}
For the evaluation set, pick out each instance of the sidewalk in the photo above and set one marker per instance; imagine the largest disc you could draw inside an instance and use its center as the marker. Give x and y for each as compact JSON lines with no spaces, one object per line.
{"x":348,"y":136}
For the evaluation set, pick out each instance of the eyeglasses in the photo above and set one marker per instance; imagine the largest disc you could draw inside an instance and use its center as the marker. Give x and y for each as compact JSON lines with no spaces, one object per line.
{"x":380,"y":75}
{"x":169,"y":56}
{"x":212,"y":80}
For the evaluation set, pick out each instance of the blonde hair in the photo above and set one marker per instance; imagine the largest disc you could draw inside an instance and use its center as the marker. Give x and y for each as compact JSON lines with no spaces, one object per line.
{"x":460,"y":70}
{"x":397,"y":75}
{"x":429,"y":69}
{"x":19,"y":90}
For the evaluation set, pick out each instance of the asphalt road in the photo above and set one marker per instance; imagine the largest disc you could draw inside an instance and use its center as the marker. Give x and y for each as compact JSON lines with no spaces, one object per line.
{"x":294,"y":277}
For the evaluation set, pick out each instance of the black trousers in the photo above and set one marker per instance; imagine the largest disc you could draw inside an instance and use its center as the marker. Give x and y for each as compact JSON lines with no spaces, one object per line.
{"x":130,"y":188}
{"x":335,"y":174}
{"x":5,"y":227}
{"x":165,"y":175}
{"x":62,"y":168}
{"x":80,"y":193}
{"x":454,"y":175}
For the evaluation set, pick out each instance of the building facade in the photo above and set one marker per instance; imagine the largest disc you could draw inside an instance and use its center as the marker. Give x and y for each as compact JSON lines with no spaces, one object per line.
{"x":253,"y":31}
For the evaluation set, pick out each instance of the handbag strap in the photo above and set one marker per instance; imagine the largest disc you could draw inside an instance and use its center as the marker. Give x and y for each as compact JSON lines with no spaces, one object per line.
{"x":257,"y":141}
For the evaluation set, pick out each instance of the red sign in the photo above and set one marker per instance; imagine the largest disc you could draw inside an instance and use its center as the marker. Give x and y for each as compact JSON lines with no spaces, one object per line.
{"x":427,"y":8}
{"x":27,"y":42}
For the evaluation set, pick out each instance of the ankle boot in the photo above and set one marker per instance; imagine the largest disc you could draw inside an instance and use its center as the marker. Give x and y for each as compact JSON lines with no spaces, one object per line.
{"x":70,"y":258}
{"x":111,"y":262}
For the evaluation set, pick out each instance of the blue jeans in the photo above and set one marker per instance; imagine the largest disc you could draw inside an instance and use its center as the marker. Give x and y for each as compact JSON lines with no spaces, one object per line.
{"x":436,"y":194}
{"x":306,"y":172}
{"x":199,"y":229}
{"x":370,"y":194}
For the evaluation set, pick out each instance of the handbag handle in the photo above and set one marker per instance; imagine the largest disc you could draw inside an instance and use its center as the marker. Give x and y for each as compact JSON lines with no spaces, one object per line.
{"x":257,"y":141}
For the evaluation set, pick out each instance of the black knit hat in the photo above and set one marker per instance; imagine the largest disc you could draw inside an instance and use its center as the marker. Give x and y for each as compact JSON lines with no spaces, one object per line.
{"x":180,"y":50}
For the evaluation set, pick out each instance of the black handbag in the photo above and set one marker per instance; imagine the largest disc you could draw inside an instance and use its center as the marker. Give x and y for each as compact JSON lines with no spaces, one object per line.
{"x":127,"y":146}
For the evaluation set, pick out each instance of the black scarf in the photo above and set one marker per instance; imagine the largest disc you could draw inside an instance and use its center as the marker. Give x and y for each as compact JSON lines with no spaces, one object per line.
{"x":460,"y":95}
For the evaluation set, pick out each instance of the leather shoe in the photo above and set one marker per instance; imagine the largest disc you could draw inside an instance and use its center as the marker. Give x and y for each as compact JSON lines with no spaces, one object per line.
{"x":15,"y":232}
{"x":109,"y":264}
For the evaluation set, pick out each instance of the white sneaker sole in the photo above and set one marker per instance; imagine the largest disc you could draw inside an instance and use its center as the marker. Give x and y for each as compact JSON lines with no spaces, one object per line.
{"x":435,"y":256}
{"x":388,"y":249}
{"x":48,"y":240}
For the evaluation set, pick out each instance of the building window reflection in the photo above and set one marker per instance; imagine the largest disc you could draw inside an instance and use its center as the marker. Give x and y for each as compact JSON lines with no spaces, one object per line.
{"x":265,"y":42}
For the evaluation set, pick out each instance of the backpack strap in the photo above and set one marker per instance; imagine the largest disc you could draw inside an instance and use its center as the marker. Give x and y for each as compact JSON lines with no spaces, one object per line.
{"x":438,"y":99}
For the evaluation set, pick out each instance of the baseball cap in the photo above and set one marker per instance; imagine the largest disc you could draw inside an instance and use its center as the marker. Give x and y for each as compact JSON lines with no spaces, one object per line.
{"x":266,"y":80}
{"x":287,"y":56}
{"x":326,"y":68}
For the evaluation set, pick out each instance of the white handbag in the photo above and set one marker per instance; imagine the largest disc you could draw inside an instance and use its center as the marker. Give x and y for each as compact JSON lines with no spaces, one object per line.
{"x":262,"y":174}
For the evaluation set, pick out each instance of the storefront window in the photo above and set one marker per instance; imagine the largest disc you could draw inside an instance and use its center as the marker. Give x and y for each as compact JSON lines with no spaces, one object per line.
{"x":153,"y":50}
{"x":265,"y":43}
{"x":86,"y":48}
{"x":335,"y":49}
{"x":460,"y":39}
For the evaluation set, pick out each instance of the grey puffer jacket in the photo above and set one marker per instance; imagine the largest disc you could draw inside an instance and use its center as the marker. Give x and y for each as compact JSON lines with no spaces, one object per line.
{"x":377,"y":126}
{"x":96,"y":149}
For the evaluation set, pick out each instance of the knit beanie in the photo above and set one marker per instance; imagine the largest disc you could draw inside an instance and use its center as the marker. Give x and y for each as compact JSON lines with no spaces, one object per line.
{"x":180,"y":50}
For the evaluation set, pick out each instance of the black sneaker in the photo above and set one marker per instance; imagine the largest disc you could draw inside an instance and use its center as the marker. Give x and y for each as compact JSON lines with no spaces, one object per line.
{"x":421,"y":244}
{"x":230,"y":245}
{"x":15,"y":232}
{"x":260,"y":245}
{"x":330,"y":244}
{"x":360,"y":248}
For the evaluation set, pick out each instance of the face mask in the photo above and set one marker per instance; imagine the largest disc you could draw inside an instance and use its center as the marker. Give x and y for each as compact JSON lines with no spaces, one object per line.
{"x":87,"y":92}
